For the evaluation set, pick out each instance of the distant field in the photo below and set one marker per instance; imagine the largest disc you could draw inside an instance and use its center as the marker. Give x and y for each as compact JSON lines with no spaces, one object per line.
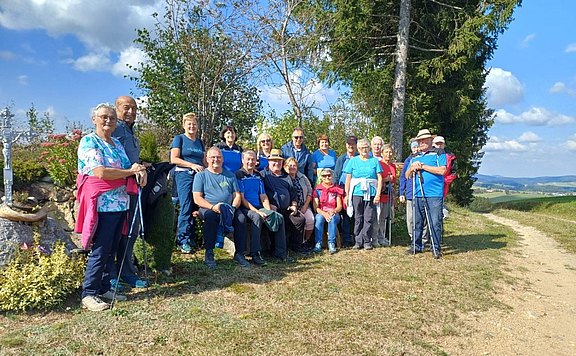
{"x":499,"y":197}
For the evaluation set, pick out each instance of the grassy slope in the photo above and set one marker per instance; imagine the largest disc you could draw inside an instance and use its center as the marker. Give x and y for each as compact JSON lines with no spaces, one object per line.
{"x":555,"y":217}
{"x":373,"y":302}
{"x":499,"y":197}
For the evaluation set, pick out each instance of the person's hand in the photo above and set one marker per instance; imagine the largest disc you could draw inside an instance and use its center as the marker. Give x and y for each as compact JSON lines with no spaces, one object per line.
{"x":262,"y":214}
{"x":377,"y":199}
{"x":402,"y":199}
{"x":216,"y":208}
{"x":197,"y":168}
{"x":142,"y":178}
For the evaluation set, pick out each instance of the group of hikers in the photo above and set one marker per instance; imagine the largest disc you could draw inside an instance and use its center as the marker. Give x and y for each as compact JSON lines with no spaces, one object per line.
{"x":284,"y":198}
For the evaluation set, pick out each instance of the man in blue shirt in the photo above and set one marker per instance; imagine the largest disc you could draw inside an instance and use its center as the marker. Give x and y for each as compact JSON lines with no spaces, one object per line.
{"x":297,"y":149}
{"x":428,"y":168}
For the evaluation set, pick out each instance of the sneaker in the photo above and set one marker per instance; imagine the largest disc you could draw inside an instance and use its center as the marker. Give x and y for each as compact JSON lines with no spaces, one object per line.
{"x":209,"y":260}
{"x":332,"y":247}
{"x":185,"y":248}
{"x":356,"y":247}
{"x":241,"y":260}
{"x":385,"y":242}
{"x":376,"y":244}
{"x":134,"y":281}
{"x":258,"y":260}
{"x":116,"y":286}
{"x":317,"y":248}
{"x":368,"y":247}
{"x":109,"y":295}
{"x":94,"y":303}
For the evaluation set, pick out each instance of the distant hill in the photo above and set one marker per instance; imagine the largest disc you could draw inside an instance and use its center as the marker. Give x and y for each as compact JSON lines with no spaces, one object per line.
{"x":560,"y":184}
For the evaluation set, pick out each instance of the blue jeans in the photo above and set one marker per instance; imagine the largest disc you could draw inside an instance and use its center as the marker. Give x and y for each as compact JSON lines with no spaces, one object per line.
{"x":185,"y":229}
{"x":101,"y":259}
{"x":319,"y":221}
{"x":433,"y":206}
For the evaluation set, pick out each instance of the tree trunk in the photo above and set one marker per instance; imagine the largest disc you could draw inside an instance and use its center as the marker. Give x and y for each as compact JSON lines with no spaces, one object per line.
{"x":399,"y":95}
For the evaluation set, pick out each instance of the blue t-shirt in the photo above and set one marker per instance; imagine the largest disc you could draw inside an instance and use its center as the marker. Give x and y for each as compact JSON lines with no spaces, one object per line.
{"x":359,"y":168}
{"x":262,"y":162}
{"x":125,"y":134}
{"x":324,"y":160}
{"x":190,"y":150}
{"x":433,"y":183}
{"x":231,"y":156}
{"x":216,"y":187}
{"x":252,"y":186}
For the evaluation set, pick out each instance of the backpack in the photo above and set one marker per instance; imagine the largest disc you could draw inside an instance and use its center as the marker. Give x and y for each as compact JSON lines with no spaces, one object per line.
{"x":450,"y":174}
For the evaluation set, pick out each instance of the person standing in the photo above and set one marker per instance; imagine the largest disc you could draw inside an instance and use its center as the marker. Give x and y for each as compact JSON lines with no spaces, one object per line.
{"x":323,"y":157}
{"x":187,"y":153}
{"x":362,"y":189}
{"x":340,"y":179}
{"x":231,"y":152}
{"x":428,"y":170}
{"x":297,"y":149}
{"x":216,"y":192}
{"x":126,"y":111}
{"x":103,"y":169}
{"x":381,"y":223}
{"x":265,"y":145}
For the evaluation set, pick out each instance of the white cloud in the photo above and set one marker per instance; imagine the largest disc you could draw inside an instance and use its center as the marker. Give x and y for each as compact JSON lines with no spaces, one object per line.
{"x":23,"y":80}
{"x":571,"y":143}
{"x":529,"y":137}
{"x":92,"y":62}
{"x":7,"y":55}
{"x":130,"y":56}
{"x":536,"y":116}
{"x":570,"y":48}
{"x":502,"y":87}
{"x":561,"y":88}
{"x":495,"y":144}
{"x":526,"y":41}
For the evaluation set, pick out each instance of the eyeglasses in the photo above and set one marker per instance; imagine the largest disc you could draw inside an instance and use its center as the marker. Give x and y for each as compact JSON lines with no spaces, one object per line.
{"x":215,"y":158}
{"x":326,"y":175}
{"x":266,"y":141}
{"x":298,"y":137}
{"x":107,"y":118}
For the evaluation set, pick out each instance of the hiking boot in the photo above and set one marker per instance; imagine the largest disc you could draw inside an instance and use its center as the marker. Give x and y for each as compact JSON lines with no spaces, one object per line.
{"x":376,"y":244}
{"x":357,"y":247}
{"x":317,"y":248}
{"x":412,"y":252}
{"x":94,"y":303}
{"x":258,"y":260}
{"x":438,"y":255}
{"x":209,"y":260}
{"x":241,"y":260}
{"x":185,"y":248}
{"x":385,"y":242}
{"x":109,"y":295}
{"x":332,"y":247}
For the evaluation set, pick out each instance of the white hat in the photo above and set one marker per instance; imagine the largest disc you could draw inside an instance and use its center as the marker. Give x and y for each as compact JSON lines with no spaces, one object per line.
{"x":438,"y":139}
{"x":424,"y":133}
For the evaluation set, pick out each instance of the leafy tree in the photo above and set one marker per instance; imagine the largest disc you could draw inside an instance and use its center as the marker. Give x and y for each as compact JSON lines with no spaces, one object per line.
{"x":41,"y":125}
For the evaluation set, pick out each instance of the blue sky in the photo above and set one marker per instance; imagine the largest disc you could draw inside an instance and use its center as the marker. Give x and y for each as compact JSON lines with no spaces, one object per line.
{"x":66,"y":56}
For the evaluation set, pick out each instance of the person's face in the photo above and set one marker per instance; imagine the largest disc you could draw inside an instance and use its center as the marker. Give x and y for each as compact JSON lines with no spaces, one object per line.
{"x":387,"y":154}
{"x":105,"y":119}
{"x":326,"y":178}
{"x":424,"y":144}
{"x":377,"y":148}
{"x":323,"y":144}
{"x":297,"y":138}
{"x":350,"y":148}
{"x":275,"y":166}
{"x":291,"y":168}
{"x":364,"y":150}
{"x":266,"y":143}
{"x":230,"y":136}
{"x":249,"y":162}
{"x":126,"y":109}
{"x":440,"y":145}
{"x":214,"y":159}
{"x":190,"y":126}
{"x":415,"y":149}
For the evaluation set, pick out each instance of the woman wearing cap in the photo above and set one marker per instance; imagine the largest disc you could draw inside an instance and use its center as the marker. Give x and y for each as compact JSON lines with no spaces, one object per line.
{"x":265,"y":145}
{"x":304,"y":192}
{"x":323,"y":157}
{"x":328,"y":204}
{"x":231,"y":152}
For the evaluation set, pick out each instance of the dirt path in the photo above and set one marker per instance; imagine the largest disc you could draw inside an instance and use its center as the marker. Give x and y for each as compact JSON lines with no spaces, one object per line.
{"x":541,"y":319}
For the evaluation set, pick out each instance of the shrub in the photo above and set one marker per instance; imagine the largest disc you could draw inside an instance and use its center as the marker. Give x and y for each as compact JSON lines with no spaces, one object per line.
{"x":481,"y":205}
{"x":60,"y":157}
{"x":27,"y":171}
{"x":148,"y":147}
{"x":36,"y":280}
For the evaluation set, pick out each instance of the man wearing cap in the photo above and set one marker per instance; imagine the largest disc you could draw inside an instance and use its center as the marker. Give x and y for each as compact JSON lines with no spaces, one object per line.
{"x":428,"y":169}
{"x":283,"y":197}
{"x":297,"y":149}
{"x":255,"y":208}
{"x":340,"y":179}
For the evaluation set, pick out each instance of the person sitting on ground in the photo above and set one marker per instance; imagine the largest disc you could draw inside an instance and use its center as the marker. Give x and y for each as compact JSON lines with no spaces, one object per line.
{"x":304,"y":197}
{"x":265,"y":145}
{"x":216,"y":192}
{"x":256,"y":208}
{"x":323,"y":157}
{"x":103,"y":169}
{"x":187,"y":153}
{"x":363,"y":182}
{"x":231,"y":152}
{"x":297,"y":149}
{"x":328,"y":204}
{"x":340,"y":179}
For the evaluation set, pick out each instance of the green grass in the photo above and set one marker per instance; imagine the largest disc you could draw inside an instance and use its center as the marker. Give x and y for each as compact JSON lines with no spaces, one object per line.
{"x":499,"y":197}
{"x":379,"y":302}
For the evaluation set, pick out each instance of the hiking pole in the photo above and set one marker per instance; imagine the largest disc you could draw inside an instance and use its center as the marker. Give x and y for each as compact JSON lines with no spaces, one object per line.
{"x":143,"y":243}
{"x":427,"y":213}
{"x":414,"y":212}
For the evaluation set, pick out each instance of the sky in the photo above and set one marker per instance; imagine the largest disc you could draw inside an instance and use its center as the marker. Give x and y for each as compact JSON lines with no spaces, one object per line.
{"x":66,"y":56}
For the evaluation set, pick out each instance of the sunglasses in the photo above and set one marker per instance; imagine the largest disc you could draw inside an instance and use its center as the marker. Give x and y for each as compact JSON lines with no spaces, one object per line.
{"x":266,"y":141}
{"x":326,"y":175}
{"x":297,"y":137}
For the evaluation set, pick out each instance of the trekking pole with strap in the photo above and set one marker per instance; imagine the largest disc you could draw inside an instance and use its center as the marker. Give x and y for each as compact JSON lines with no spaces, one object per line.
{"x":427,"y":213}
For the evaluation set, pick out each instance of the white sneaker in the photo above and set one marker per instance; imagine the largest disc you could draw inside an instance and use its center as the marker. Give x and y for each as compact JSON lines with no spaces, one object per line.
{"x":109,"y":295}
{"x":94,"y":303}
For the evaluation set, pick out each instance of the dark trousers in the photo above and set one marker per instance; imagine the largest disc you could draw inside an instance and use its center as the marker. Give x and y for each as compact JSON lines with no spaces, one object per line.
{"x":364,"y":211}
{"x":101,"y":259}
{"x":241,"y":219}
{"x":294,"y":226}
{"x":210,"y":229}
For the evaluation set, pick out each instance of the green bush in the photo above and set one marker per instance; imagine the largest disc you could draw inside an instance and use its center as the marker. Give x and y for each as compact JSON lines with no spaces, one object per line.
{"x":27,"y":171}
{"x":148,"y":147}
{"x":481,"y":205}
{"x":34,"y":280}
{"x":60,"y":157}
